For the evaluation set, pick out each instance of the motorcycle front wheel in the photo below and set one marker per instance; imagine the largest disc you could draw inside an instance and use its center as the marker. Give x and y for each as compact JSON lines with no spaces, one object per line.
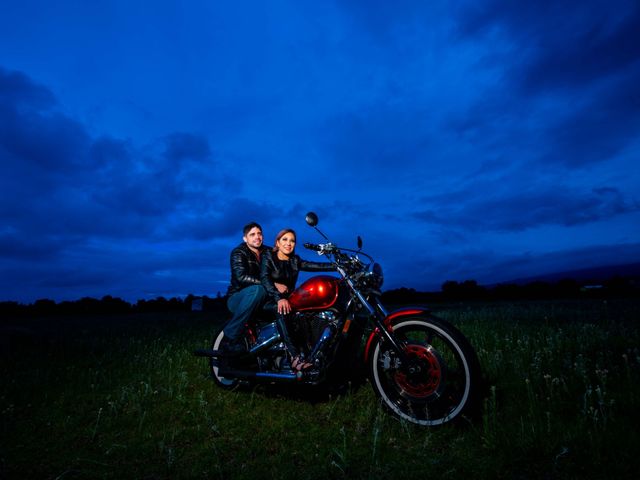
{"x":227,"y":383}
{"x":437,"y":384}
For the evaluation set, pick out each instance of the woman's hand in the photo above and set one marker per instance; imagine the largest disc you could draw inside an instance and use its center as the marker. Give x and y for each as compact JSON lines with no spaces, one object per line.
{"x":282,"y":288}
{"x":284,"y":307}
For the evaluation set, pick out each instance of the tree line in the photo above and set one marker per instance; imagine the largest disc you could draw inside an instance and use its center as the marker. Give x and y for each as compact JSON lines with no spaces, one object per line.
{"x":110,"y":306}
{"x":470,"y":290}
{"x":451,"y":291}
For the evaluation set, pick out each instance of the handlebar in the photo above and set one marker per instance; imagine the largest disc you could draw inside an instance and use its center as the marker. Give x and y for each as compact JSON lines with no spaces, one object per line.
{"x":350,"y":264}
{"x":325,"y":248}
{"x":322,"y":248}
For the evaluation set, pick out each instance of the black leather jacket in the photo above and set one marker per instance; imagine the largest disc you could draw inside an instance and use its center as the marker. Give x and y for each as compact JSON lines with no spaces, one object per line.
{"x":245,"y":268}
{"x":273,"y":270}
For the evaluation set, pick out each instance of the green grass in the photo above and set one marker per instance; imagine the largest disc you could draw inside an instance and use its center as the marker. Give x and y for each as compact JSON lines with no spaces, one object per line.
{"x":124,"y":398}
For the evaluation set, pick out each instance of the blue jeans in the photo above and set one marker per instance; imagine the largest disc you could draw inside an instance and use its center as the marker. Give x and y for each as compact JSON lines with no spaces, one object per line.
{"x":243,"y":305}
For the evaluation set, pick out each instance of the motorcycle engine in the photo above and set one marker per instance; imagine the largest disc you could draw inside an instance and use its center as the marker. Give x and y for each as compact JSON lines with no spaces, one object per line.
{"x":308,"y":327}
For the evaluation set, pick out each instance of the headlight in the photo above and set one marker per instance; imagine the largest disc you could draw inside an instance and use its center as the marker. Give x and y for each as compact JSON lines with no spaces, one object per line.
{"x":375,"y":275}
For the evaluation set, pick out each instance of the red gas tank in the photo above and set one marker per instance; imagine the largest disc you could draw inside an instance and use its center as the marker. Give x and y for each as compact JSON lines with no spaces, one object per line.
{"x":316,"y":293}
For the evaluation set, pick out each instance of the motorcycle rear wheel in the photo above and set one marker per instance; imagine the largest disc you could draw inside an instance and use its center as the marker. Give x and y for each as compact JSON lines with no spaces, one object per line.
{"x":439,"y":383}
{"x":223,"y":382}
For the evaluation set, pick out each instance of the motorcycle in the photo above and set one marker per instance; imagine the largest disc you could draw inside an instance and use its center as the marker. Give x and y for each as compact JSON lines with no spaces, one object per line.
{"x":421,"y":367}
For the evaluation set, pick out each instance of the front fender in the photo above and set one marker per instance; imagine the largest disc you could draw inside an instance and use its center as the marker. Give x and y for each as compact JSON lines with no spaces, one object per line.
{"x":392,"y":319}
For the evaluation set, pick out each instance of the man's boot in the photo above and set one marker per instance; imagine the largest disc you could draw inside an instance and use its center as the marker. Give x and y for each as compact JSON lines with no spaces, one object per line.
{"x":233,"y":348}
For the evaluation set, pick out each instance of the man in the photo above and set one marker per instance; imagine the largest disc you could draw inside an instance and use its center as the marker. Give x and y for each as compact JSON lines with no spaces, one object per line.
{"x":246,"y":293}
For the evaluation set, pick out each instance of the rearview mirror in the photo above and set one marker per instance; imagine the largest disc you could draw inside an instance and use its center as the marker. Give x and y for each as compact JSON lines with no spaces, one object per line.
{"x":311,"y":219}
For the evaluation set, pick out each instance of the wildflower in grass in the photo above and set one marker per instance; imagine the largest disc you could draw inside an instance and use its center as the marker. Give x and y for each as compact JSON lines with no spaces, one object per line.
{"x":601,"y":374}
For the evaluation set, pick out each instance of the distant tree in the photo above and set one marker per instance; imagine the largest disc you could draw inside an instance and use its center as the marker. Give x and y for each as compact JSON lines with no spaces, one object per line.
{"x":450,"y":289}
{"x":161,"y":304}
{"x":44,"y":306}
{"x":176,"y":305}
{"x":622,"y":286}
{"x":141,"y":306}
{"x":467,"y":290}
{"x":401,"y":295}
{"x":538,"y":290}
{"x":506,"y":291}
{"x":12,"y":309}
{"x":88,"y":305}
{"x":67,"y":307}
{"x":111,"y":305}
{"x":567,"y":288}
{"x":218,"y":304}
{"x":470,"y":290}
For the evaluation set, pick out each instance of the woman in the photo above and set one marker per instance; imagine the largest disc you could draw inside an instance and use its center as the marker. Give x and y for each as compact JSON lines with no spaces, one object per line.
{"x":278,"y":274}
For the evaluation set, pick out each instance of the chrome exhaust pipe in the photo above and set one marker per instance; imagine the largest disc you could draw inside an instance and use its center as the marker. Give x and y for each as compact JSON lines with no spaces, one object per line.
{"x":270,"y":331}
{"x":207,"y":352}
{"x":259,"y":376}
{"x":266,"y":343}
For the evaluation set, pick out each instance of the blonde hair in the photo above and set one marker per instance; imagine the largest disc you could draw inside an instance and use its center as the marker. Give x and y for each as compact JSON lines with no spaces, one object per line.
{"x":281,"y":234}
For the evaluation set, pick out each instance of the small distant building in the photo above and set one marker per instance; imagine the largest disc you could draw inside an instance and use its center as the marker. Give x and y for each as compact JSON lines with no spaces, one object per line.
{"x":591,"y":288}
{"x":196,"y":304}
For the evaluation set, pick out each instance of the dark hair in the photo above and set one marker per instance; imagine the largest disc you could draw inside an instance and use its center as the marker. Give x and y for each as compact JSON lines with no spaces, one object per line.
{"x":281,"y":234}
{"x":247,"y":228}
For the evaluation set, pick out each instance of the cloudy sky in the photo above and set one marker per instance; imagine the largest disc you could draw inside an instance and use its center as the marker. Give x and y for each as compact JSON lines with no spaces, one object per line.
{"x":462,"y":140}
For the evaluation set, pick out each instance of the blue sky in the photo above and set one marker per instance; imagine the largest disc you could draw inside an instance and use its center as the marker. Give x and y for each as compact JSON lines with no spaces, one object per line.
{"x":462,"y":140}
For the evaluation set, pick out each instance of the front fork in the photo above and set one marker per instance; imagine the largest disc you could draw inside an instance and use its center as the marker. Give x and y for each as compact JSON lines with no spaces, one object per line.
{"x":379,"y":315}
{"x":384,"y":329}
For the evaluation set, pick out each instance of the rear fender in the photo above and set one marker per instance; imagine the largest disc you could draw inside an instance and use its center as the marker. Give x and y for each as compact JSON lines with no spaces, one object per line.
{"x":391,"y":319}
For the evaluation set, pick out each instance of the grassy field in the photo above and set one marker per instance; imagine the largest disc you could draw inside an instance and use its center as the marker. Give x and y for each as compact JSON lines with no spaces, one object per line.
{"x":124,"y":398}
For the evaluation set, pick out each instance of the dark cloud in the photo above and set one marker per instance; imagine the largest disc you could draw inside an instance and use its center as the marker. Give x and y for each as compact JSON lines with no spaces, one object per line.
{"x":562,"y":43}
{"x":397,"y":24}
{"x":569,"y":89}
{"x":177,"y":172}
{"x":598,"y":128}
{"x":376,"y":136}
{"x":488,"y":266}
{"x":605,"y":46}
{"x":61,"y":181}
{"x":79,"y":278}
{"x":32,"y":133}
{"x":490,"y":121}
{"x":182,"y":147}
{"x":599,"y":124}
{"x":528,"y":264}
{"x":527,"y":209}
{"x":108,"y":154}
{"x":227,"y":220}
{"x":65,"y":193}
{"x":14,"y":247}
{"x":18,"y":91}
